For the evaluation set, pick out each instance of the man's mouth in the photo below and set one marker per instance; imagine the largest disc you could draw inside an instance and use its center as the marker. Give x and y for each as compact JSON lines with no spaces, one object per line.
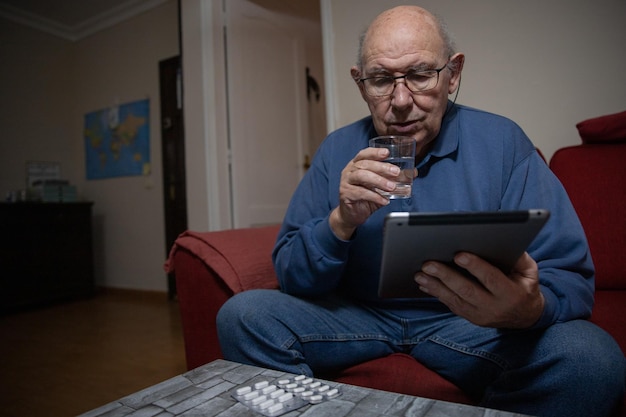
{"x":402,"y":127}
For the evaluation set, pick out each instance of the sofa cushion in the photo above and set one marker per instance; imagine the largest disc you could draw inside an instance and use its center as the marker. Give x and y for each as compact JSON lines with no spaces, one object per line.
{"x":611,"y":127}
{"x":608,"y":313}
{"x":594,"y":177}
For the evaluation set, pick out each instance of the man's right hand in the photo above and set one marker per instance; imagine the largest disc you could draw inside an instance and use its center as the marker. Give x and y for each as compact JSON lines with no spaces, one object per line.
{"x":357,"y":197}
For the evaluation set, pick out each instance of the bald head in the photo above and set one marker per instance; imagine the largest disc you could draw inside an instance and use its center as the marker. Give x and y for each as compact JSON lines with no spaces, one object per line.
{"x":407,"y":41}
{"x":400,"y":23}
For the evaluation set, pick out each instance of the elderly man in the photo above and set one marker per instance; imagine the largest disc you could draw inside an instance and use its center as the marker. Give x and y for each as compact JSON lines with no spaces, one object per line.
{"x":517,"y":342}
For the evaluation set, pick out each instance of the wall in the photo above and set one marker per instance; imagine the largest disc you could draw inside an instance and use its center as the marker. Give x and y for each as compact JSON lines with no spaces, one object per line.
{"x":121,"y":65}
{"x":36,"y":94}
{"x":545,"y":64}
{"x":47,"y":89}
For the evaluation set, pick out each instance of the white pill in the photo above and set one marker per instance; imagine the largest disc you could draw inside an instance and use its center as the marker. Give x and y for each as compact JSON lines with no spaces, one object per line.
{"x":261,"y":384}
{"x":269,"y":389}
{"x":291,"y":386}
{"x":285,"y":397}
{"x":315,"y":399}
{"x":315,"y":384}
{"x":298,"y":390}
{"x":306,"y":381}
{"x":299,"y":378}
{"x":266,"y":404}
{"x":277,"y":393}
{"x":332,"y":393}
{"x":283,"y":382}
{"x":306,"y":394}
{"x":258,"y":400}
{"x":243,"y":390}
{"x":276,"y":407}
{"x":251,"y":395}
{"x":323,"y":388}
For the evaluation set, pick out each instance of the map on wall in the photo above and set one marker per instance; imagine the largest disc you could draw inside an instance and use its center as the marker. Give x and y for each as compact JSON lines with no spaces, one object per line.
{"x":117,"y":141}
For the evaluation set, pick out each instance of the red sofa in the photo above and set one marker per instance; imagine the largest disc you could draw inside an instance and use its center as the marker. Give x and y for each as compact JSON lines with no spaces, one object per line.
{"x":212,"y":266}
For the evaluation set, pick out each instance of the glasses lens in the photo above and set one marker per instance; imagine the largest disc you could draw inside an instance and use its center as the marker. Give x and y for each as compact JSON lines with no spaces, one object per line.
{"x":379,"y":86}
{"x":422,"y":81}
{"x":416,"y":82}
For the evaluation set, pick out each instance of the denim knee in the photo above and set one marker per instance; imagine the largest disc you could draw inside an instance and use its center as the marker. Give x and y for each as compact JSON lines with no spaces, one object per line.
{"x":240,"y":309}
{"x":595,"y":370}
{"x":231,"y":321}
{"x":576,"y":369}
{"x":594,"y":355}
{"x":251,"y":331}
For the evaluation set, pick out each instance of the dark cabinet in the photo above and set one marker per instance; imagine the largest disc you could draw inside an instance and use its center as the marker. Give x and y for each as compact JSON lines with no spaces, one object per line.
{"x":46,"y":253}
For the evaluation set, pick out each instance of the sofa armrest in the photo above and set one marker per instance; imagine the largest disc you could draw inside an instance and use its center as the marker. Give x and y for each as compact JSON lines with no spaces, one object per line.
{"x":209,"y":268}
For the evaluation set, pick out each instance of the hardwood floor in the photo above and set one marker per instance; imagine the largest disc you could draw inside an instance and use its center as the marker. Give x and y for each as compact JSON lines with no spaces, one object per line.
{"x":66,"y":359}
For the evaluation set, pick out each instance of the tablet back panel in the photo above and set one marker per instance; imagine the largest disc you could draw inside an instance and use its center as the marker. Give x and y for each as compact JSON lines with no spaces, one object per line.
{"x":410,"y":239}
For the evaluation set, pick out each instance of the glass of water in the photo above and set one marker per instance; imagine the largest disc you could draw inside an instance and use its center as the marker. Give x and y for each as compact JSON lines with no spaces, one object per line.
{"x":401,"y":154}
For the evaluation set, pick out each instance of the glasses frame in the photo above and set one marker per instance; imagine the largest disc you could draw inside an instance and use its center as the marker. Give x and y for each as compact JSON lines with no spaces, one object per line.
{"x":436,"y":70}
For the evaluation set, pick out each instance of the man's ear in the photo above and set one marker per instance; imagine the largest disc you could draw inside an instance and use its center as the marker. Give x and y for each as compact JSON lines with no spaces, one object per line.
{"x":456,"y":66}
{"x":355,"y":73}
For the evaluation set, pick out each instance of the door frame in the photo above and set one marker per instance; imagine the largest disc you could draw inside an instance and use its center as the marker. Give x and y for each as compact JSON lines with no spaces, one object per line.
{"x":173,"y":157}
{"x":207,"y":159}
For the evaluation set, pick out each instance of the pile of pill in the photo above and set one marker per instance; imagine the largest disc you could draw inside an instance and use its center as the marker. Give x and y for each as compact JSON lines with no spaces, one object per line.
{"x":281,"y":396}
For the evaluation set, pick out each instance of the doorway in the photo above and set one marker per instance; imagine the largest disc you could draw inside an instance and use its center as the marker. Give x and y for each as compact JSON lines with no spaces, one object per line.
{"x":173,"y":154}
{"x":246,"y":133}
{"x":267,"y":61}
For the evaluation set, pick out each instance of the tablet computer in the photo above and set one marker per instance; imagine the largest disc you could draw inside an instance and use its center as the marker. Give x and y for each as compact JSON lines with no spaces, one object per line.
{"x":410,"y":239}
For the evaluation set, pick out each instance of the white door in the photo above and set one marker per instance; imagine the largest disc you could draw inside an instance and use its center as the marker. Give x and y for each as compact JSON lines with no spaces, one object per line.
{"x":267,"y":111}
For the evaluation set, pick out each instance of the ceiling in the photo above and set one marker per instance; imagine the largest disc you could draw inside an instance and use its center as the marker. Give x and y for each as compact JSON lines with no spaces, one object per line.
{"x":73,"y":19}
{"x":76,"y":19}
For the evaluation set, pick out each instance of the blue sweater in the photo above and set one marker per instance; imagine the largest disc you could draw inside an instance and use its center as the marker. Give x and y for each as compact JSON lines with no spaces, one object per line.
{"x":479,"y":162}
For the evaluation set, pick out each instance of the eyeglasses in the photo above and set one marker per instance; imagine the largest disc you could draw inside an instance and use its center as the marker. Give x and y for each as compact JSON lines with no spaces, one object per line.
{"x":416,"y":82}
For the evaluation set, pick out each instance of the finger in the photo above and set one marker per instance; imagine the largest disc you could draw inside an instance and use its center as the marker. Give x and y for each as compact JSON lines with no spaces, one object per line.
{"x":352,"y":195}
{"x":360,"y":182}
{"x":487,"y":274}
{"x":430,"y":285}
{"x":374,"y":159}
{"x":373,"y":174}
{"x":526,"y":267}
{"x":382,"y":168}
{"x":456,"y":281}
{"x":374,"y":154}
{"x":435,"y":287}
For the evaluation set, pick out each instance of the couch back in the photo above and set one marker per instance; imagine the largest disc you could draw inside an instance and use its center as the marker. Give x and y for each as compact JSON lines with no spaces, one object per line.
{"x":594,"y":176}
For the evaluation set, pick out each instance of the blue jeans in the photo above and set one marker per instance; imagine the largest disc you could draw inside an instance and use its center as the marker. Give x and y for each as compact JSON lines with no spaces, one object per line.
{"x":568,"y":369}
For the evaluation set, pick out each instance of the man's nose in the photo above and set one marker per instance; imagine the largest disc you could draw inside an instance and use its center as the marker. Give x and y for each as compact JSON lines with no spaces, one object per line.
{"x":401,"y":95}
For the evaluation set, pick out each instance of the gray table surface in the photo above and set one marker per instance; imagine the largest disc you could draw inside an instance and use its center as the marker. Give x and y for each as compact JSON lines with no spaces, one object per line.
{"x":206,"y":391}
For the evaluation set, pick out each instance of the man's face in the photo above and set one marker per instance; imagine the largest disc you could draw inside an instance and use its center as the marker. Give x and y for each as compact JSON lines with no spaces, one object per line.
{"x":396,"y":49}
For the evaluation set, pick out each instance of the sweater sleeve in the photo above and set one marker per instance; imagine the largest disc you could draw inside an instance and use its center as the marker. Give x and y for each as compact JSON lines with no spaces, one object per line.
{"x":309,"y":259}
{"x":566,"y":272}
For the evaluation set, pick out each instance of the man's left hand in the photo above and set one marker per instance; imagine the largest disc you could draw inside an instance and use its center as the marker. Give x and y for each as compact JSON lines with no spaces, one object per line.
{"x":513,"y":301}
